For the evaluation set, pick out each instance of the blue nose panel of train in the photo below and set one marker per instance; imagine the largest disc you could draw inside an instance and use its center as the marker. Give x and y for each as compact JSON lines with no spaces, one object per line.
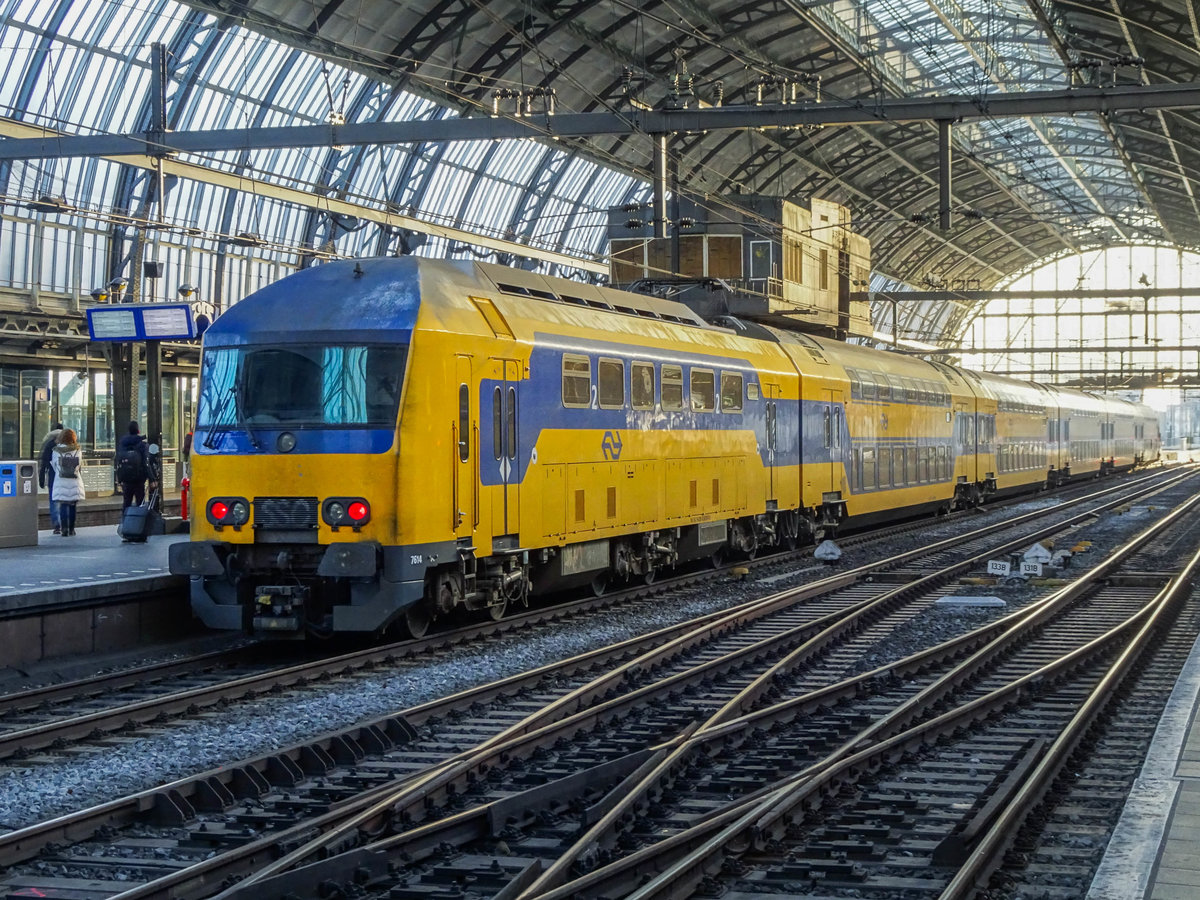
{"x":346,"y":301}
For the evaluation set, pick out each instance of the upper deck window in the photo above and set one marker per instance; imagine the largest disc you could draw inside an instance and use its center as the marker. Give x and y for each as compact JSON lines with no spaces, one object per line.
{"x":576,"y":380}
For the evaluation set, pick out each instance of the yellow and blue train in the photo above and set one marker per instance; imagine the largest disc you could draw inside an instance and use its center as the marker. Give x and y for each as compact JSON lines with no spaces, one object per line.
{"x":383,"y":441}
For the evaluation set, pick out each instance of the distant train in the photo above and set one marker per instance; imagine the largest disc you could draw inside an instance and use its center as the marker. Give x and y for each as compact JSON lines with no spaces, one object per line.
{"x":383,"y":441}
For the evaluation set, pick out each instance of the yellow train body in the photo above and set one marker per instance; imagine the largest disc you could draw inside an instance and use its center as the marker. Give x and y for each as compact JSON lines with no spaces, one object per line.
{"x":390,"y":439}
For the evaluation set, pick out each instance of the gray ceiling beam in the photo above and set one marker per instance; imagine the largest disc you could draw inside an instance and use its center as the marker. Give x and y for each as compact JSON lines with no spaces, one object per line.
{"x":952,"y":296}
{"x":233,"y":181}
{"x":665,"y":121}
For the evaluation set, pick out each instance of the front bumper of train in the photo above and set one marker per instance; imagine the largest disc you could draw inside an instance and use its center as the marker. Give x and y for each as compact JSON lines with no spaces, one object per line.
{"x":382,"y":583}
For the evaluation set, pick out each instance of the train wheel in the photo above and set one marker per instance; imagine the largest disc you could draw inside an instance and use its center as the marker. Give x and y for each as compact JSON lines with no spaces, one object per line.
{"x":649,"y":576}
{"x":718,"y":558}
{"x":417,"y":619}
{"x":599,"y":584}
{"x":497,"y":611}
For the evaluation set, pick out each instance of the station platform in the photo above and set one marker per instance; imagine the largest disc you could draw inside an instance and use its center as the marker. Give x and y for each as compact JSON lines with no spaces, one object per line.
{"x":90,"y":592}
{"x":1154,"y":851}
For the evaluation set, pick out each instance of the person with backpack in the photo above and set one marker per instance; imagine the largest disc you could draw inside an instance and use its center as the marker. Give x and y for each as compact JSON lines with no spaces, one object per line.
{"x":66,"y":461}
{"x":46,"y":472}
{"x":132,"y":465}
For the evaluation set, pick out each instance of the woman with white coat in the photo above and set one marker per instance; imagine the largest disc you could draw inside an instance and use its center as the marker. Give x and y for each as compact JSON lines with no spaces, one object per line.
{"x":67,"y":461}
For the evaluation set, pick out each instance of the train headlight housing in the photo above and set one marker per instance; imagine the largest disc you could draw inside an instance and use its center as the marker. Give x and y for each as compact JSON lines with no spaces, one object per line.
{"x":351,"y":512}
{"x":232,"y":511}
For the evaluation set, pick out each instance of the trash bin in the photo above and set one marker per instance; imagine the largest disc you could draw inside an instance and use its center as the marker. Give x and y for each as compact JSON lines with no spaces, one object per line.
{"x":18,"y":503}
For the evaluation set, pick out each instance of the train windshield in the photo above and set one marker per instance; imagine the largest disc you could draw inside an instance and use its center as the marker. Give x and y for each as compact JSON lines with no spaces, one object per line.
{"x":298,"y":385}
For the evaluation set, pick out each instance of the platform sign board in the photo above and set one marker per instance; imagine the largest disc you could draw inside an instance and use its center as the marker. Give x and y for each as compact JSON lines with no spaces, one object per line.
{"x":142,"y":322}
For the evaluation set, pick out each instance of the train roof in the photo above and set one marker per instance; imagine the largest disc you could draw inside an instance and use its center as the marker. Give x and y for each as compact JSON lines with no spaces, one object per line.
{"x":348,"y":300}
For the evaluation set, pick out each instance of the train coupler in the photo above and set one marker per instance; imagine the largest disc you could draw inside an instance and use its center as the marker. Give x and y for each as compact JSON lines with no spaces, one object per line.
{"x":279,"y":607}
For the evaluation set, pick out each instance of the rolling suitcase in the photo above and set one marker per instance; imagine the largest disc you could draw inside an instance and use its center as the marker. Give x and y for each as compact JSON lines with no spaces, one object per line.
{"x":138,"y":522}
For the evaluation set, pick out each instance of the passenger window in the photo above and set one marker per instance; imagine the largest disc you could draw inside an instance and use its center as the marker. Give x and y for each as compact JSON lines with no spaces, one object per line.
{"x":868,"y":386}
{"x":703,"y":390}
{"x":672,"y":387}
{"x":855,"y":383}
{"x":899,"y":478}
{"x":731,"y":392}
{"x":897,"y":389}
{"x":641,"y":385}
{"x":464,"y":422}
{"x":576,"y":381}
{"x":868,"y":466}
{"x":912,"y":465}
{"x":497,"y":424}
{"x":883,"y":390}
{"x":611,"y":377}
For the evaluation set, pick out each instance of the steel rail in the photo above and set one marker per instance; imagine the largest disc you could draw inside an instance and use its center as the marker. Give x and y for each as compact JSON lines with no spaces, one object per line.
{"x":995,"y":842}
{"x":401,"y":802}
{"x":79,"y":825}
{"x":578,"y":700}
{"x":760,"y":818}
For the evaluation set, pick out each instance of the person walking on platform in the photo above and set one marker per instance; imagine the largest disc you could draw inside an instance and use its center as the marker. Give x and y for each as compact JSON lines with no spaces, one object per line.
{"x":46,"y":471}
{"x":132,"y":465}
{"x":66,"y":461}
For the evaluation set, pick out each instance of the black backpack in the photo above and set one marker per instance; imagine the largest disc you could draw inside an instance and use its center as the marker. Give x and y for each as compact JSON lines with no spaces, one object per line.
{"x":129,"y":465}
{"x":68,"y":466}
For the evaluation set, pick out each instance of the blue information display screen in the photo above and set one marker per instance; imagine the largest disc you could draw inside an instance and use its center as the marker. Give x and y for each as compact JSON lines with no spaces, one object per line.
{"x":142,"y":322}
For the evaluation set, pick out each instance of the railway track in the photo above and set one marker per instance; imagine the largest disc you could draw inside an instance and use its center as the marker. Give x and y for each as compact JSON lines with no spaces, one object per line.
{"x":417,"y":769}
{"x":57,"y":716}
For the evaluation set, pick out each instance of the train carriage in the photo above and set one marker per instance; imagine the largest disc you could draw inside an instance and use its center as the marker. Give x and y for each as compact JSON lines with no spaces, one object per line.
{"x":388,"y":440}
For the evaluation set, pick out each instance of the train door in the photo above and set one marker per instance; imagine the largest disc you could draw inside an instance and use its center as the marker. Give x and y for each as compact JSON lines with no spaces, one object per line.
{"x":771,"y":397}
{"x":833,"y":415}
{"x":465,"y":432}
{"x":968,"y":442}
{"x":506,"y":516}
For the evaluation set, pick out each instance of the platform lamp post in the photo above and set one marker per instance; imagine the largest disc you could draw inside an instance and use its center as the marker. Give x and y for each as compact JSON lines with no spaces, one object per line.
{"x":153,"y":270}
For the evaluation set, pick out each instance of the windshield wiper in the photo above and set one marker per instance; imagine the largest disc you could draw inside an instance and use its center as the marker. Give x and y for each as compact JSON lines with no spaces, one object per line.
{"x":239,"y":419}
{"x":215,"y":436}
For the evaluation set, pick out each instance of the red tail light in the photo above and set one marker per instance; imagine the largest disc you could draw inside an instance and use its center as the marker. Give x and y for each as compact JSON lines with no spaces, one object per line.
{"x":358,"y":511}
{"x":219,"y":510}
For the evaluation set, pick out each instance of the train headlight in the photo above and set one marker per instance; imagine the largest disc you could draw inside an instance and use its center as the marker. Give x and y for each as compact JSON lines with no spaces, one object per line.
{"x":222,"y":511}
{"x":352,"y":512}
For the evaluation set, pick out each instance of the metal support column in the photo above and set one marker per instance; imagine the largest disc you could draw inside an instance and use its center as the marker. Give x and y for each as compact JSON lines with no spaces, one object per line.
{"x":660,"y":185}
{"x":945,"y":183}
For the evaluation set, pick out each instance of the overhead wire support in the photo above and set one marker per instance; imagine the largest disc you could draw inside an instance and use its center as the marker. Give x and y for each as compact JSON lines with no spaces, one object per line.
{"x":1104,"y":100}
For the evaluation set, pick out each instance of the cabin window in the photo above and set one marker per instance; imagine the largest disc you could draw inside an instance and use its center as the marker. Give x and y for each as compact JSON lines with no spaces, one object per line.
{"x":611,"y":377}
{"x":672,"y":387}
{"x":576,"y":381}
{"x":703,"y":390}
{"x":731,"y":392}
{"x":641,"y":385}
